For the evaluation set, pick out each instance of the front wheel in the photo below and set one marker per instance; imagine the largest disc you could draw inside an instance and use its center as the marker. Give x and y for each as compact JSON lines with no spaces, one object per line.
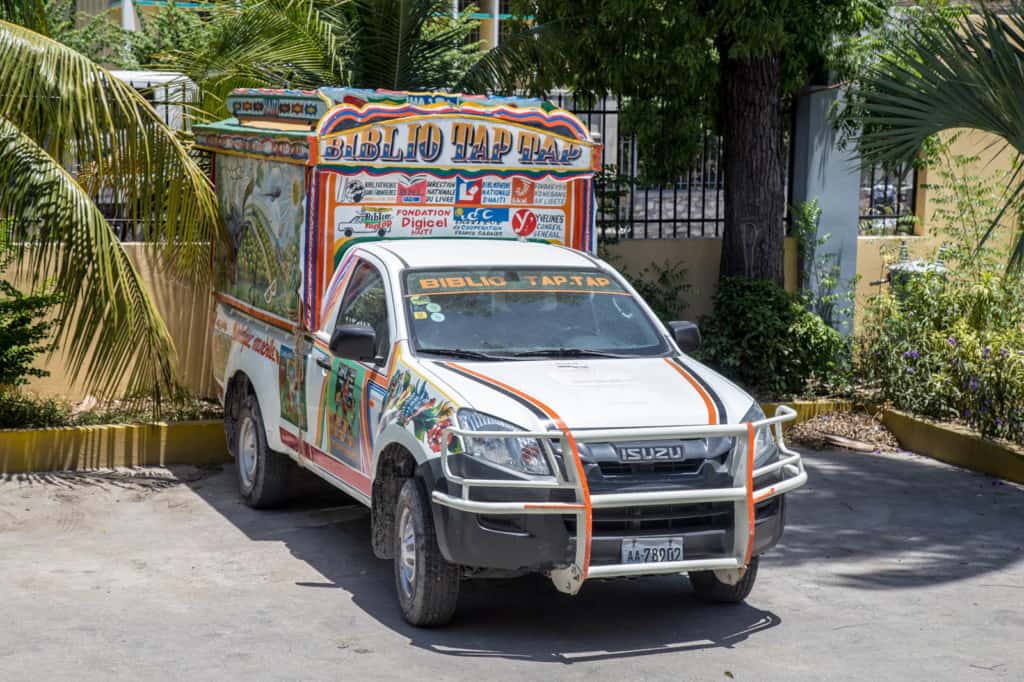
{"x":428,"y":586}
{"x":725,"y":587}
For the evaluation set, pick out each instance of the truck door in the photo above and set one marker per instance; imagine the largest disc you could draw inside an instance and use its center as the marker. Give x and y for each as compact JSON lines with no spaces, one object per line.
{"x":351,"y":393}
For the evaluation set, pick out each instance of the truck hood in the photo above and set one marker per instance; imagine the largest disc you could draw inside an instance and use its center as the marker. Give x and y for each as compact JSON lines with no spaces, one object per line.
{"x":598,"y":393}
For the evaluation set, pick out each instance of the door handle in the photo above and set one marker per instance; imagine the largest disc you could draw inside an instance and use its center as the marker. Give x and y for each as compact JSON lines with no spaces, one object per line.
{"x":324,"y":364}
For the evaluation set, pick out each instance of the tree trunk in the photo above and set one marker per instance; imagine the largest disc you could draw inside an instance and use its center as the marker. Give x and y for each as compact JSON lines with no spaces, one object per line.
{"x":754,"y":167}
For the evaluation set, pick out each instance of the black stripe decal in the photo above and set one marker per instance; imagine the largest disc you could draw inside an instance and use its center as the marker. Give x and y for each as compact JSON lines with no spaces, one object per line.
{"x":723,"y":418}
{"x":522,"y":401}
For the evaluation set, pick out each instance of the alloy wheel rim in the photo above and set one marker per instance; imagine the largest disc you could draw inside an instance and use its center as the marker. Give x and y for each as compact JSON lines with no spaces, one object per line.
{"x":407,"y":553}
{"x":247,"y":447}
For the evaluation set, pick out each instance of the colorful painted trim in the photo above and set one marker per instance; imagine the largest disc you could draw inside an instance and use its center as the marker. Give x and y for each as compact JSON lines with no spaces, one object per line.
{"x":355,"y":478}
{"x":261,"y":315}
{"x":345,"y":117}
{"x":269,"y":147}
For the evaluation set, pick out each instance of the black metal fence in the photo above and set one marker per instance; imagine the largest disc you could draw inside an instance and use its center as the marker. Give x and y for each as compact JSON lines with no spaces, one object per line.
{"x":887,"y":198}
{"x":690,"y":207}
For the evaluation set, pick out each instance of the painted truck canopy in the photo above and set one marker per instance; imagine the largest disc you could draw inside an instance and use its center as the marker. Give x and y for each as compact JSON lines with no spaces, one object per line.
{"x":303,"y":175}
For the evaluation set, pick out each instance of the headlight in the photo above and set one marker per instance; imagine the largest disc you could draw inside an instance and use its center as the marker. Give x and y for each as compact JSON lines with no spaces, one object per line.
{"x":522,"y":454}
{"x":764,"y":443}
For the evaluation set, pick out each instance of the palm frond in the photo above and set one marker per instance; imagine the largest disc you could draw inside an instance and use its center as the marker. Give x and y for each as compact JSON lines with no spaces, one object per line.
{"x":531,"y":59}
{"x":273,"y":43}
{"x":114,"y":334}
{"x":960,"y":74}
{"x":86,"y":118}
{"x":406,"y":44}
{"x":59,"y":111}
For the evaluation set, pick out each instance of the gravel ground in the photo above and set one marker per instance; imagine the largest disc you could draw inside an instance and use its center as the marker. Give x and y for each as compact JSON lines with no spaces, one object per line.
{"x":893,"y":567}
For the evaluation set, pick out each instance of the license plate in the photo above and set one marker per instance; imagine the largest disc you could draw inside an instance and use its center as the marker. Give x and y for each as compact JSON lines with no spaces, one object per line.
{"x":652,"y":550}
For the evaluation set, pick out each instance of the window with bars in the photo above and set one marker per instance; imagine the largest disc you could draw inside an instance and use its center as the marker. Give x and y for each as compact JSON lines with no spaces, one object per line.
{"x":887,"y":198}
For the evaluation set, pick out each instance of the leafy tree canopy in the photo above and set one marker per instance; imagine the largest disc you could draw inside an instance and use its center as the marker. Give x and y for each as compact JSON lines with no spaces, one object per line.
{"x":664,"y":57}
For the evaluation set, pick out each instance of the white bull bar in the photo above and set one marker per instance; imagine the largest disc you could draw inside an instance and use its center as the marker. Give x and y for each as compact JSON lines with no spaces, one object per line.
{"x":742,"y":493}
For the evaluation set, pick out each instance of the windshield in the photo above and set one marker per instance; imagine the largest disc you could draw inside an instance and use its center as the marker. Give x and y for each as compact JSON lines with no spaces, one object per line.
{"x":521,"y":312}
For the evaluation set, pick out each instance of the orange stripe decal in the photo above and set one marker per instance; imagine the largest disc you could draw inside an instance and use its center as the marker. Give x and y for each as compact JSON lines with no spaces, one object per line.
{"x":572,"y":445}
{"x":712,"y":414}
{"x":750,"y":490}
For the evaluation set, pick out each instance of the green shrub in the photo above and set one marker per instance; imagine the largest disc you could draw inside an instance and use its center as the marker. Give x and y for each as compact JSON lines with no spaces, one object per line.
{"x":22,"y":411}
{"x":950,"y":349}
{"x":663,"y":287}
{"x":24,"y":333}
{"x":762,"y":337}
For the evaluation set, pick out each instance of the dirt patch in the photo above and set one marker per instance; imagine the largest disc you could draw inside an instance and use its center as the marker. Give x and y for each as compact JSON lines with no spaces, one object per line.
{"x":848,"y":430}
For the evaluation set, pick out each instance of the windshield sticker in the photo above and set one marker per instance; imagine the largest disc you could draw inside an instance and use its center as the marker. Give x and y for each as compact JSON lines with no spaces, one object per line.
{"x":420,"y":300}
{"x":439,"y":283}
{"x":419,"y":315}
{"x":437,"y":317}
{"x":433,"y":308}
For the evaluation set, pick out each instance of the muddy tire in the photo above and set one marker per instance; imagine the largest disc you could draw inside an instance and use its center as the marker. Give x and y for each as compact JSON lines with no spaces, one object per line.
{"x":263,"y":475}
{"x":427,"y":585}
{"x":709,"y":587}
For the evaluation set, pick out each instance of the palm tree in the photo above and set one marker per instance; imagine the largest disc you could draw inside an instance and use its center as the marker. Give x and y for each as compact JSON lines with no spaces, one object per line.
{"x":964,"y":73}
{"x":61,"y":111}
{"x":396,"y":44}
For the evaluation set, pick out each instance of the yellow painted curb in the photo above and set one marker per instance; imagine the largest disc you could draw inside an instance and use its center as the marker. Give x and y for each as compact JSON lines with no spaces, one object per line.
{"x":93,"y":447}
{"x":808,"y":409}
{"x":956,"y":445}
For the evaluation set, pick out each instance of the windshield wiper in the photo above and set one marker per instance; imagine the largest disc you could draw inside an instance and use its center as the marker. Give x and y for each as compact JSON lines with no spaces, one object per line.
{"x":566,"y":353}
{"x":460,"y":353}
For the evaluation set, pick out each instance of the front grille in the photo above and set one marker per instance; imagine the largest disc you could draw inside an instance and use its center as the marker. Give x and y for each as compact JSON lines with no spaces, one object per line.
{"x":642,"y":520}
{"x":686,"y":466}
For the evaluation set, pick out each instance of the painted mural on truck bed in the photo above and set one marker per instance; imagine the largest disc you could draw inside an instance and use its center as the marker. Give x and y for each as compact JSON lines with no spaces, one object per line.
{"x":263,"y":207}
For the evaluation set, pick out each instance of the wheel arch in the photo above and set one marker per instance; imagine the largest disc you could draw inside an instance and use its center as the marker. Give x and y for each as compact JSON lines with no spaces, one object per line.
{"x":393,"y":466}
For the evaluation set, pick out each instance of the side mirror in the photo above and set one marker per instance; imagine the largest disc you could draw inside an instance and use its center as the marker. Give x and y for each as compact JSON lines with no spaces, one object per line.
{"x":686,"y":334}
{"x":354,"y":342}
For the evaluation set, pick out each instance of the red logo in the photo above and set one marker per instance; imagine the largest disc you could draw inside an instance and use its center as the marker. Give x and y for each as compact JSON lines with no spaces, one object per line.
{"x":524,"y":222}
{"x":415,"y":193}
{"x":522,"y":191}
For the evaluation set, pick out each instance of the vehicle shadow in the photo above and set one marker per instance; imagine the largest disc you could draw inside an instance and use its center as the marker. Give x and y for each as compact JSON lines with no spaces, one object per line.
{"x":863,"y":522}
{"x":522,"y":619}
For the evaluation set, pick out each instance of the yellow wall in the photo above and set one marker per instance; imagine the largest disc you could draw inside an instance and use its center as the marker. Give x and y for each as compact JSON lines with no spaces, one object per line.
{"x":994,"y":156}
{"x":700,"y":257}
{"x":874,"y":253}
{"x":186,"y":311}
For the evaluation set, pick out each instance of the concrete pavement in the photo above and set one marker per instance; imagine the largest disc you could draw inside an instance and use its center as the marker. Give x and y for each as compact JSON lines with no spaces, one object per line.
{"x":893,"y":567}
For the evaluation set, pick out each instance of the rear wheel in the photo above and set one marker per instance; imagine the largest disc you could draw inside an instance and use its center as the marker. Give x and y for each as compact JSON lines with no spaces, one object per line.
{"x":428,"y":586}
{"x":725,"y":587}
{"x":263,"y":474}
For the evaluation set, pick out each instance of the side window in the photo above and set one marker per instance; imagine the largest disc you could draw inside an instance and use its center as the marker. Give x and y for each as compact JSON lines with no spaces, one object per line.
{"x":365,"y":304}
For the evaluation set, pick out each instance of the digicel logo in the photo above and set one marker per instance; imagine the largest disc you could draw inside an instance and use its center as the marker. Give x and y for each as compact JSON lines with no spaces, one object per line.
{"x":423,"y":221}
{"x":524,"y":222}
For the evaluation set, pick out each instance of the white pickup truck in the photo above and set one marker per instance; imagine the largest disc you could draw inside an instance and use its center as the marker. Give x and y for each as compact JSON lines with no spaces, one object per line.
{"x":502,"y":406}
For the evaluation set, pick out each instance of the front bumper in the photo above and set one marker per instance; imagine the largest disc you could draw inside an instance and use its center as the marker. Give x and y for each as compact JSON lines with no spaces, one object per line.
{"x":532,"y":532}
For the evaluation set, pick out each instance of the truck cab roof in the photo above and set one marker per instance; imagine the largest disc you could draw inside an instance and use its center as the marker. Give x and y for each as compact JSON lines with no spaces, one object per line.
{"x":477,"y":253}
